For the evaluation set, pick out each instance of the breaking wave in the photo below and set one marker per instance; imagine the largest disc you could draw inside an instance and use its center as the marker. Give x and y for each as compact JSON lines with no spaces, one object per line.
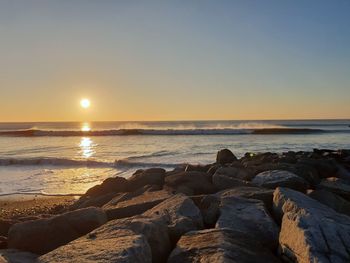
{"x":167,"y":132}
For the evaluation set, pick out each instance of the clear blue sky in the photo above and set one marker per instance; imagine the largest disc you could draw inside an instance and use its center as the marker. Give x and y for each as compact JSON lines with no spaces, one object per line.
{"x":171,"y":60}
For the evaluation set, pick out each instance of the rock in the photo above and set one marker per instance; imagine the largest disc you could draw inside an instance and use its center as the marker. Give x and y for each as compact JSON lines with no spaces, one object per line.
{"x":191,"y":183}
{"x":43,"y":235}
{"x":256,"y":159}
{"x":325,"y":167}
{"x":110,"y":185}
{"x":307,"y":172}
{"x":5,"y":225}
{"x":154,"y":229}
{"x":311,"y":231}
{"x":332,"y":200}
{"x":212,"y":169}
{"x":16,"y":256}
{"x":3,"y":242}
{"x":262,"y":194}
{"x":126,"y":206}
{"x":179,"y":213}
{"x":153,"y":176}
{"x":250,"y":217}
{"x":198,"y":168}
{"x":236,"y":173}
{"x":222,"y":182}
{"x":336,"y":185}
{"x":225,"y":156}
{"x":209,"y":205}
{"x":123,"y":247}
{"x":219,"y":245}
{"x":97,"y":201}
{"x":276,"y":178}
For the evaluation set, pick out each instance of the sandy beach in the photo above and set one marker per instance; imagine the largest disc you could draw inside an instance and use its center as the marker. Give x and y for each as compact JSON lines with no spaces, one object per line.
{"x":20,"y":205}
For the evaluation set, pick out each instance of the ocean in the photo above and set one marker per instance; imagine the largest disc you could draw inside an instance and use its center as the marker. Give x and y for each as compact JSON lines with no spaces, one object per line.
{"x":70,"y":157}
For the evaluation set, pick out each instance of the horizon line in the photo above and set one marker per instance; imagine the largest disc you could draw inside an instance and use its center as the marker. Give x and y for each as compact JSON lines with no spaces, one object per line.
{"x":192,"y":120}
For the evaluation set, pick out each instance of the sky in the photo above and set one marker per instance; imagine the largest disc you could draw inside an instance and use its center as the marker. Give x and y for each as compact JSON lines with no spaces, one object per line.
{"x":174,"y":60}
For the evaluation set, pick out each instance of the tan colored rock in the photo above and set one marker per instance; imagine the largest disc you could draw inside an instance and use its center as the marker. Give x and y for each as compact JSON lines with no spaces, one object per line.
{"x":219,"y":246}
{"x":123,"y":206}
{"x":179,"y":213}
{"x":123,"y":247}
{"x":154,"y":229}
{"x":250,"y":217}
{"x":311,"y":231}
{"x":43,"y":235}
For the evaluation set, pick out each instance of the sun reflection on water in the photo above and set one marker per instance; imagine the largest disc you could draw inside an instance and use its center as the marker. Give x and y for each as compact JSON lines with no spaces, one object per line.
{"x":85,"y":127}
{"x":86,"y":147}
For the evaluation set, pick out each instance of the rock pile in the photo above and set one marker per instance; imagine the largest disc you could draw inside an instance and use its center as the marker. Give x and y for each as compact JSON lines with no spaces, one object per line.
{"x":265,"y":207}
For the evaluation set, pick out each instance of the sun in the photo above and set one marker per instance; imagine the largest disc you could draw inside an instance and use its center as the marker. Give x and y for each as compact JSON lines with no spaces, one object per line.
{"x":85,"y":103}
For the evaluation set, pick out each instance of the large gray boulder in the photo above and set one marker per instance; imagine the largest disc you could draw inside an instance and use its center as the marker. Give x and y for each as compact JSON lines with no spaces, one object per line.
{"x":125,"y":246}
{"x":219,"y":246}
{"x":43,"y":235}
{"x":152,"y":176}
{"x":16,"y":256}
{"x":180,"y":214}
{"x":250,"y":217}
{"x":280,"y":178}
{"x":190,"y":183}
{"x":235,"y":172}
{"x":311,"y":231}
{"x":336,"y":185}
{"x":154,"y":229}
{"x":332,"y":200}
{"x":262,"y":194}
{"x":222,"y":182}
{"x":126,"y":205}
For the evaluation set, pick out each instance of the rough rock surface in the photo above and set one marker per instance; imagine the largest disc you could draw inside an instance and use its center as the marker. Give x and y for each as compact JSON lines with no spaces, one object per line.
{"x":250,"y":217}
{"x":219,"y":246}
{"x":191,"y":183}
{"x":43,"y":235}
{"x":179,"y":213}
{"x":337,"y":186}
{"x":123,"y":247}
{"x":110,"y":185}
{"x":154,"y":229}
{"x":153,"y":176}
{"x":311,"y":231}
{"x":123,"y":206}
{"x":209,"y":205}
{"x":262,"y":194}
{"x":225,"y":156}
{"x":222,"y":182}
{"x":235,"y":172}
{"x":332,"y":200}
{"x":16,"y":256}
{"x":279,"y":178}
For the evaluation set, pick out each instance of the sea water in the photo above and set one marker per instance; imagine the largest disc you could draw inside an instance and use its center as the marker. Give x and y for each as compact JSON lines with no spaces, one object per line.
{"x":70,"y":157}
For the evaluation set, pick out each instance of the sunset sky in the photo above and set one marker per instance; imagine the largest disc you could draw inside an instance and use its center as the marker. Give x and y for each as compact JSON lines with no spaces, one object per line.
{"x":174,"y":60}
